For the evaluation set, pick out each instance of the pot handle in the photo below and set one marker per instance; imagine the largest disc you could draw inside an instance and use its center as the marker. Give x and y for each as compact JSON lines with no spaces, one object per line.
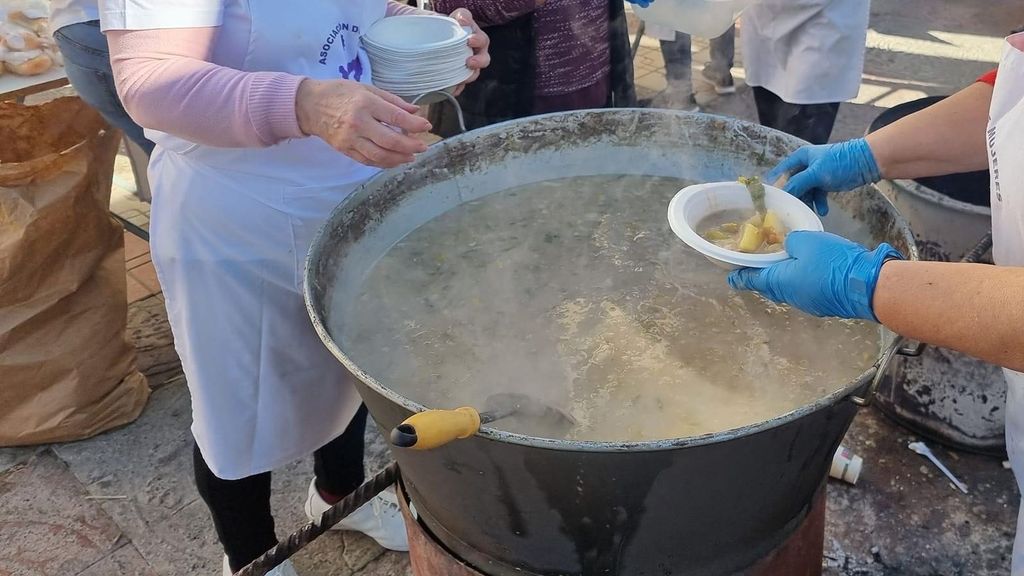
{"x":434,"y":428}
{"x":880,"y":370}
{"x":899,"y":347}
{"x":912,"y":350}
{"x":450,"y":98}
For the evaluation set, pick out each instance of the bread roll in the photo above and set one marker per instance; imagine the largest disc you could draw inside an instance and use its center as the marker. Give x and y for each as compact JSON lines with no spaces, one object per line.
{"x":20,"y":56}
{"x":22,"y":39}
{"x":30,"y":10}
{"x":37,"y":25}
{"x":31,"y":67}
{"x":55,"y":55}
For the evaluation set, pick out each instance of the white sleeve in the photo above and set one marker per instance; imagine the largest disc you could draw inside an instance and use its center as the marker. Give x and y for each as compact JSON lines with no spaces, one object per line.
{"x":155,"y":14}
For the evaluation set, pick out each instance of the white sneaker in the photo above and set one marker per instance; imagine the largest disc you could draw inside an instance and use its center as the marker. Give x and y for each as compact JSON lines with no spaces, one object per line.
{"x":673,"y":101}
{"x":380,"y":518}
{"x":723,"y":84}
{"x":678,"y":95}
{"x":286,"y":568}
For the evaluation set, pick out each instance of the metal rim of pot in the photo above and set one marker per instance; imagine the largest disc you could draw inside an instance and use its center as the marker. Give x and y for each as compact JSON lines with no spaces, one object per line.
{"x":927,"y":194}
{"x":869,"y":380}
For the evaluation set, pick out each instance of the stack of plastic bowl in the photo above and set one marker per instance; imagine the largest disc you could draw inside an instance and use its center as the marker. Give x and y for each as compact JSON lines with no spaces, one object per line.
{"x":417,"y":54}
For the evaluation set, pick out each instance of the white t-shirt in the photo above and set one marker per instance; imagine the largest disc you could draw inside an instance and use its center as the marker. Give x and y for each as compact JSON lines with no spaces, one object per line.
{"x":67,"y":12}
{"x":153,"y":14}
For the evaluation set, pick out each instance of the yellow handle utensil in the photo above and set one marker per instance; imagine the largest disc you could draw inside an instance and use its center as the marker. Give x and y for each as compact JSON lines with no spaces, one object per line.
{"x":435,"y":428}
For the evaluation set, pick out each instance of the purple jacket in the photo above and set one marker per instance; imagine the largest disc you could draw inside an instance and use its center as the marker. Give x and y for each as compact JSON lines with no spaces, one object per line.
{"x":572,"y":50}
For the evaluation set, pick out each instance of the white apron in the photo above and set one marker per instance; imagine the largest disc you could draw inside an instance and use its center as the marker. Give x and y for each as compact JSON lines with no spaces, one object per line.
{"x":805,"y":51}
{"x":1006,"y":163}
{"x":230,"y":231}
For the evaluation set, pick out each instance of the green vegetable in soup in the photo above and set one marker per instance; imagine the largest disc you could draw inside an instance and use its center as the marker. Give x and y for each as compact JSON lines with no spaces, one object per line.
{"x":756,"y":190}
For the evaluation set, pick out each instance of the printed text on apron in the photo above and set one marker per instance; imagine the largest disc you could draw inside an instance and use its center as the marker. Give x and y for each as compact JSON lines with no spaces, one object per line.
{"x":1006,"y":146}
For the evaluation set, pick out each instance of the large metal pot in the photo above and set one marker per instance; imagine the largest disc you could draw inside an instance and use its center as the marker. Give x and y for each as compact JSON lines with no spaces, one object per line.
{"x":514,"y":504}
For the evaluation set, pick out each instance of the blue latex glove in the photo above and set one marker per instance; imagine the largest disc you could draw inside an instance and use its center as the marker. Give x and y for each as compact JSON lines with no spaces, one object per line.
{"x":826,"y":275}
{"x":817,"y":170}
{"x":641,"y":3}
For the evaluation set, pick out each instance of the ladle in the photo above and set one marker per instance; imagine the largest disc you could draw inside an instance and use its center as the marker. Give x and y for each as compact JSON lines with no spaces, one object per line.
{"x":434,"y":428}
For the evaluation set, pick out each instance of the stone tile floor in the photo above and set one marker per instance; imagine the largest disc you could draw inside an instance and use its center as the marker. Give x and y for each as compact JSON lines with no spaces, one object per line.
{"x":142,"y":281}
{"x":123,"y":503}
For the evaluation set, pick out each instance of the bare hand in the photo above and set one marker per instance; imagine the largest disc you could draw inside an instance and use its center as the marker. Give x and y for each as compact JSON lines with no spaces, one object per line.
{"x":357,"y":119}
{"x":478,"y":41}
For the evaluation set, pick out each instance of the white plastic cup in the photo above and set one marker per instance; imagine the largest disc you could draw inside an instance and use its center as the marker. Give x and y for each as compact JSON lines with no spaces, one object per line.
{"x":846,"y":465}
{"x":702,"y":18}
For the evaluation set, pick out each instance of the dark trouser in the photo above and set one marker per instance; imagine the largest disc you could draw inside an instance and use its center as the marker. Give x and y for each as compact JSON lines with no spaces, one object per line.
{"x":679,"y":59}
{"x":811,"y":122}
{"x":241,"y":508}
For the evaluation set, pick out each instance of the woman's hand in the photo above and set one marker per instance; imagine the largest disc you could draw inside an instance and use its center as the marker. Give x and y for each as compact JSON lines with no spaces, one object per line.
{"x":361,"y":121}
{"x":478,"y":41}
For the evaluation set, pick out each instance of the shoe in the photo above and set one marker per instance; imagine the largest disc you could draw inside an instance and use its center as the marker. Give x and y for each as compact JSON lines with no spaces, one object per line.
{"x":674,"y":101}
{"x":671,"y":99}
{"x":285,"y":568}
{"x":705,"y":98}
{"x":380,"y":518}
{"x":723,"y":84}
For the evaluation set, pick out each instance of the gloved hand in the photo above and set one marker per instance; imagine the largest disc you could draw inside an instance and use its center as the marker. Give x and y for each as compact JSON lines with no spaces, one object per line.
{"x":817,"y":170}
{"x":826,"y":275}
{"x":641,"y":3}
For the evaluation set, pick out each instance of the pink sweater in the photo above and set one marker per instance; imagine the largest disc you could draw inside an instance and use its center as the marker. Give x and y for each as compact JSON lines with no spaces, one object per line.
{"x":166,"y":82}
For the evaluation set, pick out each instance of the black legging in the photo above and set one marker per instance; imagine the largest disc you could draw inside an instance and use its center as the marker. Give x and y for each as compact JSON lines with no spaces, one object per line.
{"x":811,"y":122}
{"x":241,"y":508}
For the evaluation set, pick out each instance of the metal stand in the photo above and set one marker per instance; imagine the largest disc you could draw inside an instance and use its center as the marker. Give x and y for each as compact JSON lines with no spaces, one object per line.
{"x":636,"y":41}
{"x":139,"y":160}
{"x":800,"y":554}
{"x":130,"y":227}
{"x":140,"y":168}
{"x":303,"y":536}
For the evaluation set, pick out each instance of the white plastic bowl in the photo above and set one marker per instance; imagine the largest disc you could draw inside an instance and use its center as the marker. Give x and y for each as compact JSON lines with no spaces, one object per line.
{"x":418,"y":54}
{"x":701,"y":18}
{"x":694,"y":203}
{"x":417,"y":33}
{"x":410,"y":89}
